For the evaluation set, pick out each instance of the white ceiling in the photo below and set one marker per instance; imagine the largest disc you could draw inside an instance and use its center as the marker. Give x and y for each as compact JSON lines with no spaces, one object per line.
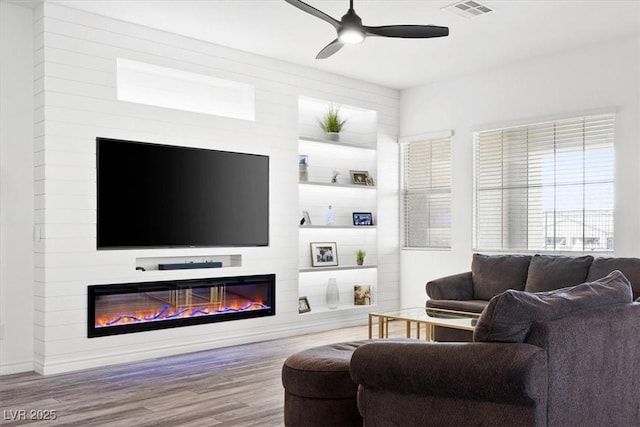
{"x":514,"y":31}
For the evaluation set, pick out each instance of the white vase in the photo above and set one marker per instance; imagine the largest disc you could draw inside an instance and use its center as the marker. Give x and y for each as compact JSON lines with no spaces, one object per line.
{"x":333,"y":294}
{"x":330,"y":218}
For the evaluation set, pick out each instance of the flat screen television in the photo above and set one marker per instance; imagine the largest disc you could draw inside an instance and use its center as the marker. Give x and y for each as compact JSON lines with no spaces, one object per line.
{"x":158,"y":196}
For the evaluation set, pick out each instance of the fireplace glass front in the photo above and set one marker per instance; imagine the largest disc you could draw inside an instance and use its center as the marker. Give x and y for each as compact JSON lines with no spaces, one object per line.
{"x":135,"y":307}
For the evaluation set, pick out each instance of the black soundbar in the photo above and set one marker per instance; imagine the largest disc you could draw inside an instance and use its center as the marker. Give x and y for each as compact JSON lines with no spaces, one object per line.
{"x":190,"y":265}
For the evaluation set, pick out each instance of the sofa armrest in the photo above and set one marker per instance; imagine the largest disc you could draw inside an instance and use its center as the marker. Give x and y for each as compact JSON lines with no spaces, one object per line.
{"x":457,"y":287}
{"x":496,"y":372}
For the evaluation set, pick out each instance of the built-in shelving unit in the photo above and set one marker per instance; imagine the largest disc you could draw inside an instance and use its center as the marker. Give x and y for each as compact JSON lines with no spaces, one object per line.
{"x":356,"y":151}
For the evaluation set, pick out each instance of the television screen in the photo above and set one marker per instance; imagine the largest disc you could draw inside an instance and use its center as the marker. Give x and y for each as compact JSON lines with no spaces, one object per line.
{"x":153,"y":196}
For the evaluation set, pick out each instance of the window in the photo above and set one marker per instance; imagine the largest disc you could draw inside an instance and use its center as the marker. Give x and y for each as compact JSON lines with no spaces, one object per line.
{"x":545,"y":187}
{"x":181,"y":90}
{"x":426,"y":192}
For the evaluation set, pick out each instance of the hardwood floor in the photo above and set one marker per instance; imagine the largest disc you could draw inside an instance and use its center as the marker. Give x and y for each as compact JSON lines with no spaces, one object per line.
{"x":234,"y":386}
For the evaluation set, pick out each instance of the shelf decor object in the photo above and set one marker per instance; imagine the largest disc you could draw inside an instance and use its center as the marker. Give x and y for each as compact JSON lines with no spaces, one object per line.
{"x":330,"y":218}
{"x":360,"y":177}
{"x":332,"y":124}
{"x":306,"y":219}
{"x":303,"y":165}
{"x":333,"y":294}
{"x":303,"y":305}
{"x":362,"y":295}
{"x":334,"y":176}
{"x":324,"y":254}
{"x":362,"y":218}
{"x":360,"y":256}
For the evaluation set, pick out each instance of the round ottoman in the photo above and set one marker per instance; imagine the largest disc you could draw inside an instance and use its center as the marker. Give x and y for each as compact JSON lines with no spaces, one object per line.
{"x":318,"y":390}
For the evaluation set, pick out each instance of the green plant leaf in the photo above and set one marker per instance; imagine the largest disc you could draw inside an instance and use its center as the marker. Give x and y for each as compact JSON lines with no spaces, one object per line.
{"x":331,"y":121}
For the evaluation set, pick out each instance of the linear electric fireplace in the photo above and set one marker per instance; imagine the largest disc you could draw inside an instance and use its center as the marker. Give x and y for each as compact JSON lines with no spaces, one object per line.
{"x":136,"y":307}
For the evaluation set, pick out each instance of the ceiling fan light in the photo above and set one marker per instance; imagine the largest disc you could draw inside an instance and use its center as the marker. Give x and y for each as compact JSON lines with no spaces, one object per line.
{"x":351,"y":35}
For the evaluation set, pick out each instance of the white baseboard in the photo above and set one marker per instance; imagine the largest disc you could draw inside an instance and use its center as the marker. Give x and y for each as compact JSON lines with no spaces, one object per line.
{"x":70,"y":364}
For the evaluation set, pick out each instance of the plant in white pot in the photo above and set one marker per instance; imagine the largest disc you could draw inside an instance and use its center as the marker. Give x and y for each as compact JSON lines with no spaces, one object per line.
{"x":332,"y":123}
{"x":360,"y":256}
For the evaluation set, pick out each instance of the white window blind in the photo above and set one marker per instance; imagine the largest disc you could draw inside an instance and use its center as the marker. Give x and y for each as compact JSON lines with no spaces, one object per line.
{"x":426,"y":193}
{"x":545,"y":187}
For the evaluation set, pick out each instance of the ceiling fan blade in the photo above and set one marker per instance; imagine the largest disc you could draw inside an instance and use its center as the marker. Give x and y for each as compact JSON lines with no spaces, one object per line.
{"x":407,"y":31}
{"x":330,"y":49}
{"x":315,"y":12}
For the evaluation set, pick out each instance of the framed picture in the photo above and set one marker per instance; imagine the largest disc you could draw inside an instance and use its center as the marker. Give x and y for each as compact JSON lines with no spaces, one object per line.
{"x":324,"y":254}
{"x":362,"y":295}
{"x":303,"y":305}
{"x":306,"y":219}
{"x":362,"y":218}
{"x":359,"y":177}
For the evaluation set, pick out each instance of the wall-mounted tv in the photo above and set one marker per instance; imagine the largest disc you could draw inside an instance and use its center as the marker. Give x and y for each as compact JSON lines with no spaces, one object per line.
{"x":158,"y":196}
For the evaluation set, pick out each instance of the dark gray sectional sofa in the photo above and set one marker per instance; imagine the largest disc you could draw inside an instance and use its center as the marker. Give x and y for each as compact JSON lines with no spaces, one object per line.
{"x":492,"y":274}
{"x":553,"y":358}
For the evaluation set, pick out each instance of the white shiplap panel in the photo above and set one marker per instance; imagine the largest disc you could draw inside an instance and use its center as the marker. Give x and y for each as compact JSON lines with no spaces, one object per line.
{"x":77,"y":188}
{"x":68,"y":216}
{"x":141,"y":41}
{"x":66,"y":173}
{"x":78,"y":81}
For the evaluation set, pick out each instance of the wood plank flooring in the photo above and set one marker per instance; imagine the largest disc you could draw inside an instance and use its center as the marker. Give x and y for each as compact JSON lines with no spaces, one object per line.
{"x":234,"y":386}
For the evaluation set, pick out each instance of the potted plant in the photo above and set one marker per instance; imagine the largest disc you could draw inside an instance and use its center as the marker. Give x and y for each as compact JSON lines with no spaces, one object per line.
{"x":360,"y":256}
{"x":332,"y":123}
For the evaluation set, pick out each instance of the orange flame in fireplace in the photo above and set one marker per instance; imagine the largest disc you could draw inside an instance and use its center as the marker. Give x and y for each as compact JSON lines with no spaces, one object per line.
{"x":138,"y":316}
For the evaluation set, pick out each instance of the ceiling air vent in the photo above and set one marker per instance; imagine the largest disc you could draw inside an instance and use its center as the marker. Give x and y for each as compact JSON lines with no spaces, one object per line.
{"x":467,"y":8}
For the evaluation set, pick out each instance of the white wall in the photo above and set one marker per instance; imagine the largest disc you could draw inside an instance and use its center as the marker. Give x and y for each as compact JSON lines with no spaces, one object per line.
{"x":75,"y":101}
{"x":592,"y":78}
{"x":16,"y":189}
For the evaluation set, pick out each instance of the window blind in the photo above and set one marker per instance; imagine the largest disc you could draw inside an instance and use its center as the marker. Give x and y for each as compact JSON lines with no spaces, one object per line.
{"x":426,"y":193}
{"x":545,"y":187}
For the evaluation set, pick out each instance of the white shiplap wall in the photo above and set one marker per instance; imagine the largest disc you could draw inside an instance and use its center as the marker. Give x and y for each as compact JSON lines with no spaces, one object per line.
{"x":75,"y":101}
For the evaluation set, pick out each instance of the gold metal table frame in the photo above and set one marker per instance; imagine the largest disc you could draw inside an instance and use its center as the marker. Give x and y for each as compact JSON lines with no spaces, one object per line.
{"x":429,"y":317}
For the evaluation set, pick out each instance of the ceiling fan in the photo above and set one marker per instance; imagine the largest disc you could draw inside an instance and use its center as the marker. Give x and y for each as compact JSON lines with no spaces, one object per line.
{"x":351,"y":31}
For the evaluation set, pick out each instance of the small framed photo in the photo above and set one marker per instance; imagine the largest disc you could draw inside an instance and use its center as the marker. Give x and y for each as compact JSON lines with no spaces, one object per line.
{"x":362,"y":218}
{"x":324,"y":254}
{"x":303,"y":160}
{"x":362,"y":295}
{"x":306,"y":219}
{"x":359,"y":177}
{"x":303,"y":305}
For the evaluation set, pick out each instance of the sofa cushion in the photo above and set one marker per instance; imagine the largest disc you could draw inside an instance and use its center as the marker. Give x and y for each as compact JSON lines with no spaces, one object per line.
{"x":549,"y":272}
{"x":470,"y":305}
{"x":492,"y":274}
{"x":509,"y":316}
{"x":630,"y":267}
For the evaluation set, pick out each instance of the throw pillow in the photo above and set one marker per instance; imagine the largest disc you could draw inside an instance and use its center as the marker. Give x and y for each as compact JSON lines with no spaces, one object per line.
{"x":549,"y":272}
{"x":630,"y":267}
{"x":493,"y":274}
{"x":509,"y":316}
